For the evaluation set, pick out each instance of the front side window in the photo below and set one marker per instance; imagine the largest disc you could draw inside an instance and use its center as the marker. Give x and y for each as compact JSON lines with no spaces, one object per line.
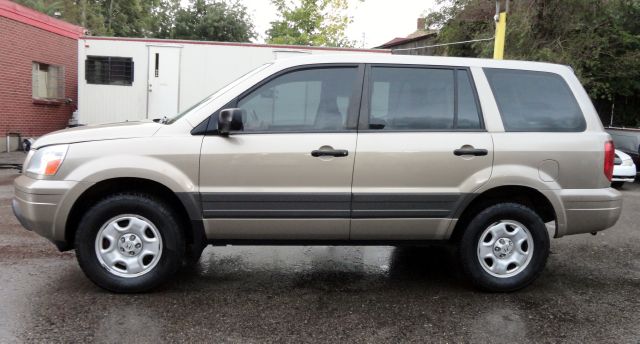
{"x":421,"y":99}
{"x":109,"y":70}
{"x":47,"y":81}
{"x":535,"y":101}
{"x":315,"y":99}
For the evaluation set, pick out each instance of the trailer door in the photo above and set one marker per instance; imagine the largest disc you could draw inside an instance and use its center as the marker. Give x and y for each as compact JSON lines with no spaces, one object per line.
{"x":163,"y":82}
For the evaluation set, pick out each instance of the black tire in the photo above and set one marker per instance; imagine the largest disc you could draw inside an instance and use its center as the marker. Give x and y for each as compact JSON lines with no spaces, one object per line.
{"x":161,"y":216}
{"x":468,"y":249}
{"x":617,"y":185}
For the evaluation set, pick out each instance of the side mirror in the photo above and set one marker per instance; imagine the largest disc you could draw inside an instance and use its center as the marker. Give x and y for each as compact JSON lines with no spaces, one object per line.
{"x":230,"y":120}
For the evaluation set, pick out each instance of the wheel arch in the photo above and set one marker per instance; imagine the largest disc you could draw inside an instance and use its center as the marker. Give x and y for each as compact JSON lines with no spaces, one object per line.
{"x":187,"y":205}
{"x":524,"y":195}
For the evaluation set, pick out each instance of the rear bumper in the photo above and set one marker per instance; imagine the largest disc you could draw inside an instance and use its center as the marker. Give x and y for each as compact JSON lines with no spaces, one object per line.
{"x":589,"y":210}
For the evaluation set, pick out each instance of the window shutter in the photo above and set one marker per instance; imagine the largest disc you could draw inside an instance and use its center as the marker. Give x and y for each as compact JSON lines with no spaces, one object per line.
{"x":60,"y":85}
{"x":34,"y":80}
{"x":52,"y":83}
{"x":55,"y":78}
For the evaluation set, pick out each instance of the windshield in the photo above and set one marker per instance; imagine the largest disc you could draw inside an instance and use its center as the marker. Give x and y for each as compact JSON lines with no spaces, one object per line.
{"x":219,"y":92}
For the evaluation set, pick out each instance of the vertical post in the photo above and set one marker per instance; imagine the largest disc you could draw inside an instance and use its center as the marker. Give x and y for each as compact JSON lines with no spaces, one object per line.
{"x":83,"y":13}
{"x":613,"y":107}
{"x":501,"y":30}
{"x":110,"y":14}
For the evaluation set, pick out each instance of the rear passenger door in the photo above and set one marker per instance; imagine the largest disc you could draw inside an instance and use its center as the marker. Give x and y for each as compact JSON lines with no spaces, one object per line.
{"x":421,"y":149}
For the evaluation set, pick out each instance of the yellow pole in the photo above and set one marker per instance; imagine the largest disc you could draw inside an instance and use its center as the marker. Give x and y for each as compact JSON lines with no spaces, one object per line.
{"x":501,"y":30}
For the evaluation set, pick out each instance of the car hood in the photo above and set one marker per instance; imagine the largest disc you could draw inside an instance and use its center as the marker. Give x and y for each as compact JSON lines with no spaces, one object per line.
{"x":123,"y":130}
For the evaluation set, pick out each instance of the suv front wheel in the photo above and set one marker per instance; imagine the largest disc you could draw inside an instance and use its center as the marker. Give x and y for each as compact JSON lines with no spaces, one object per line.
{"x":504,"y":247}
{"x":129,"y":243}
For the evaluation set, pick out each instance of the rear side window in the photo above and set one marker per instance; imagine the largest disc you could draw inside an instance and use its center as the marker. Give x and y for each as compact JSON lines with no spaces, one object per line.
{"x":421,"y":99}
{"x":535,"y":101}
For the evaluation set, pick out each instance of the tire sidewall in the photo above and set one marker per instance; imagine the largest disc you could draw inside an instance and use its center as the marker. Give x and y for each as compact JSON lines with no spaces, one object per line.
{"x":471,"y":237}
{"x":154,"y":211}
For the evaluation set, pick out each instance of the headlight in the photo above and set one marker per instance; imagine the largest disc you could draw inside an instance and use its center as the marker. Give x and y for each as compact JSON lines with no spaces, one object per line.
{"x":628,"y":162}
{"x":47,"y":160}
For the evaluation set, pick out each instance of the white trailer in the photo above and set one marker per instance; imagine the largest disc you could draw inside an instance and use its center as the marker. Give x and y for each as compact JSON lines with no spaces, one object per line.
{"x":128,"y":79}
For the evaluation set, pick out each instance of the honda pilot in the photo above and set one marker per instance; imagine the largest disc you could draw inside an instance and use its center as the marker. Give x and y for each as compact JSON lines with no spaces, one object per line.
{"x":496,"y":157}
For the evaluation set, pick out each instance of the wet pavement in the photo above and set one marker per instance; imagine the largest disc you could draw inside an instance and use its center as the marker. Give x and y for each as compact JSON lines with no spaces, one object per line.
{"x":589,"y":292}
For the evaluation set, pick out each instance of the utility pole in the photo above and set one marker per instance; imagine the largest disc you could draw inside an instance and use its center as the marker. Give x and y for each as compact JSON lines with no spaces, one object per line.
{"x":83,"y":13}
{"x":501,"y":28}
{"x":110,"y":14}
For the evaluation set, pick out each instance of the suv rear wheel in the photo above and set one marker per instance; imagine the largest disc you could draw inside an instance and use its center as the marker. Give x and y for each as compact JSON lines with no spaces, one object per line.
{"x":129,"y":243}
{"x":504,"y":248}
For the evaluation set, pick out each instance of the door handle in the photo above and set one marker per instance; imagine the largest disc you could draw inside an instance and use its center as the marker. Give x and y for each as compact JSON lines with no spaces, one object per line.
{"x":330,"y":152}
{"x":470,"y":151}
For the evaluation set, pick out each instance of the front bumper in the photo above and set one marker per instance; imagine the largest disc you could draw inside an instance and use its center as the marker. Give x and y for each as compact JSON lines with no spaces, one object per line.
{"x":37,"y":203}
{"x":590,"y":210}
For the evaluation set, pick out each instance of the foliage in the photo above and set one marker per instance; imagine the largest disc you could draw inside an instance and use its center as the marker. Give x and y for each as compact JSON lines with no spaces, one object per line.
{"x":219,"y":20}
{"x":46,"y":7}
{"x":599,"y":39}
{"x":162,"y":19}
{"x":311,"y":22}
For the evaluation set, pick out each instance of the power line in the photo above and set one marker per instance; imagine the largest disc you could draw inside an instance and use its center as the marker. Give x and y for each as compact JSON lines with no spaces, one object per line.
{"x":445,"y":44}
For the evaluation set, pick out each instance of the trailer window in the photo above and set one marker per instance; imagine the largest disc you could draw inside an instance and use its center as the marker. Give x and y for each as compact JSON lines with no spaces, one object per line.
{"x":109,"y":70}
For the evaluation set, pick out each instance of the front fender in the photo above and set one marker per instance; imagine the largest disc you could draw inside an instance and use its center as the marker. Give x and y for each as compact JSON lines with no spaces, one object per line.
{"x":172,"y":162}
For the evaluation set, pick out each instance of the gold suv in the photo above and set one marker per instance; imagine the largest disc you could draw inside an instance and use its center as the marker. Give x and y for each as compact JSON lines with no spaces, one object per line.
{"x":494,"y":156}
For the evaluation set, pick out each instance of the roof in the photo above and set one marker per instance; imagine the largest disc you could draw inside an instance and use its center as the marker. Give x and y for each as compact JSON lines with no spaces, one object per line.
{"x":30,"y":17}
{"x":415,"y":36}
{"x":236,"y":44}
{"x":421,"y":60}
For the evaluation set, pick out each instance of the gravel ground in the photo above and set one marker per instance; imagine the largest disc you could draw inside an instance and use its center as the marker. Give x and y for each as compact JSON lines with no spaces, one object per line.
{"x":589,"y":293}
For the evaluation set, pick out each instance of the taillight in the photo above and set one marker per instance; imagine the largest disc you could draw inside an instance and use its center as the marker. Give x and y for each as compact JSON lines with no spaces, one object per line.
{"x":609,"y":157}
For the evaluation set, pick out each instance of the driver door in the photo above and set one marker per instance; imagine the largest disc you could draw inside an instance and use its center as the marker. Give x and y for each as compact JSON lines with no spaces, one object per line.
{"x":287,"y":173}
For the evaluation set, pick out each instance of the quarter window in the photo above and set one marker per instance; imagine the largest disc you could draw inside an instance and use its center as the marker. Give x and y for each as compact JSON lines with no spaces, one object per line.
{"x":421,"y":99}
{"x":316,"y":99}
{"x":47,"y":81}
{"x":108,"y":70}
{"x":535,"y":101}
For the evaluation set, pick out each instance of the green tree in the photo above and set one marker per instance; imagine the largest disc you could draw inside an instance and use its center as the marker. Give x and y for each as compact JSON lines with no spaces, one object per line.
{"x":219,"y":20}
{"x":125,"y":18}
{"x":44,"y":6}
{"x":214,"y":21}
{"x":311,"y":22}
{"x":89,"y":14}
{"x":162,"y":21}
{"x":599,"y":39}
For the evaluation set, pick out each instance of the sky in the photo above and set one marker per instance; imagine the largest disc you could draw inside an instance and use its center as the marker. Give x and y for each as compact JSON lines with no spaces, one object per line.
{"x":379,"y":20}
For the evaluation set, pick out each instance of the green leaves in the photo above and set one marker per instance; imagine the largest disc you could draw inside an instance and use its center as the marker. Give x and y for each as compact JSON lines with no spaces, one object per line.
{"x":214,"y":20}
{"x":220,"y":20}
{"x":600,"y":40}
{"x":311,"y":22}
